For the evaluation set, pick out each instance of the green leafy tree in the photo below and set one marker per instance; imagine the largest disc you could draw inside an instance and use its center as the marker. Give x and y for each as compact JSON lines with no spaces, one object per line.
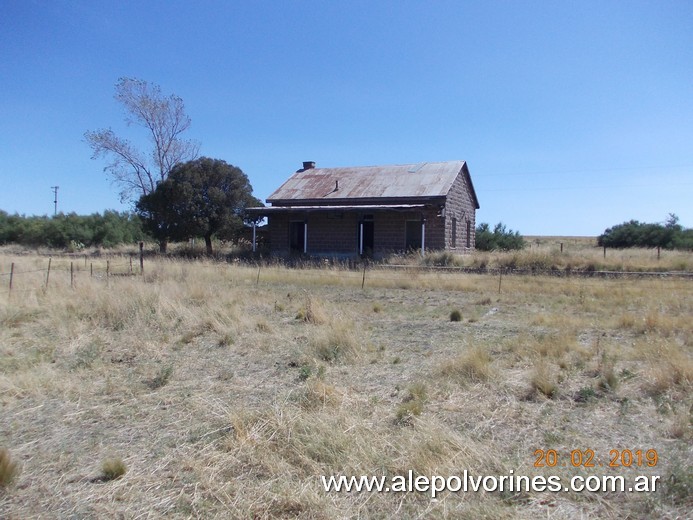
{"x":669,"y":235}
{"x":113,"y":228}
{"x":9,"y":227}
{"x":160,"y":212}
{"x":205,"y":197}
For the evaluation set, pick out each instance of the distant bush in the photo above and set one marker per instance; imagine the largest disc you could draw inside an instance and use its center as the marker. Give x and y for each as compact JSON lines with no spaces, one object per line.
{"x":71,"y":231}
{"x":455,"y":315}
{"x":500,"y":239}
{"x":670,"y":235}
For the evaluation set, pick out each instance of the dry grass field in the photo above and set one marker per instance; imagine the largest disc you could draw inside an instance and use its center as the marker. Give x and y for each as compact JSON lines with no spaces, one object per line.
{"x":216,"y":390}
{"x":569,"y":254}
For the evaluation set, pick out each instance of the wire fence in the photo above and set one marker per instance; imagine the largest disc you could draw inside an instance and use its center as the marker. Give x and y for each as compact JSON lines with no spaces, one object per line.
{"x":366,"y":273}
{"x":100,"y":270}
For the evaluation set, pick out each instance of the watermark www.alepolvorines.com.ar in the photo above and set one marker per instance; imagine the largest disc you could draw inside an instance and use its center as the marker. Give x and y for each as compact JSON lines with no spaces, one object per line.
{"x":465,"y":482}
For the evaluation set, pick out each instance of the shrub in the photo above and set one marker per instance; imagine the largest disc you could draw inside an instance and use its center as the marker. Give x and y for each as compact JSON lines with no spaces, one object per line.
{"x":225,"y":340}
{"x":499,"y":239}
{"x":585,"y":394}
{"x":455,"y":315}
{"x":113,"y":468}
{"x":679,"y":482}
{"x":442,"y":259}
{"x":162,"y":377}
{"x":70,"y":230}
{"x":8,"y":469}
{"x":608,"y":380}
{"x":304,"y":372}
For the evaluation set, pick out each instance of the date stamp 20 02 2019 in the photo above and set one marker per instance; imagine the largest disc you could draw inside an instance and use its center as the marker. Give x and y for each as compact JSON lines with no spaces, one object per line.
{"x":588,"y":459}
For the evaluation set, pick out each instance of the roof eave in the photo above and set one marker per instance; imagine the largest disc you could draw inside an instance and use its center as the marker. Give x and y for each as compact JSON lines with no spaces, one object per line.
{"x":471,"y":184}
{"x":437,"y":199}
{"x":269,"y":210}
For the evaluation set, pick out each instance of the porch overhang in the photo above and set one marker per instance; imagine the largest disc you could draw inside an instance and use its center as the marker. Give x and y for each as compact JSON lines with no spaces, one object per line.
{"x":272,"y":210}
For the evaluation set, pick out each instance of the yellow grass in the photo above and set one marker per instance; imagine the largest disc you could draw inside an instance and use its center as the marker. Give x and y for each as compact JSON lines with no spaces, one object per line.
{"x":227,"y":395}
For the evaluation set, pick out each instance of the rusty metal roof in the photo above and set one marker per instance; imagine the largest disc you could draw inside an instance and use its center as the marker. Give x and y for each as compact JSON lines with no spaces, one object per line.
{"x":420,"y":180}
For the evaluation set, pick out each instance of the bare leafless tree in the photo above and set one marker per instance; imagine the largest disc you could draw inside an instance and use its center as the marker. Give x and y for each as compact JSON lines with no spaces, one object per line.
{"x":135,"y":172}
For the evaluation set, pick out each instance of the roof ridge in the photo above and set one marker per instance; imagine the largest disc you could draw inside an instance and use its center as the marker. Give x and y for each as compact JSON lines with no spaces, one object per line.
{"x":385,"y":165}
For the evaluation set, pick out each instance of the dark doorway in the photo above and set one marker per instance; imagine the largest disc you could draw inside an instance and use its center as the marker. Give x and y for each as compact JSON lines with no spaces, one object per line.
{"x":297,"y":236}
{"x":413,"y":234}
{"x":366,"y":240}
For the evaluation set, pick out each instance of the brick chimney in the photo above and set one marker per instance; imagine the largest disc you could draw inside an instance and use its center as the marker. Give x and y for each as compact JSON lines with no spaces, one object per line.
{"x":308,"y":165}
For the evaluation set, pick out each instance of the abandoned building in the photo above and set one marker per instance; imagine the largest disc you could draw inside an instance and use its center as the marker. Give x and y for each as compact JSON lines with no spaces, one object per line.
{"x":372,"y":211}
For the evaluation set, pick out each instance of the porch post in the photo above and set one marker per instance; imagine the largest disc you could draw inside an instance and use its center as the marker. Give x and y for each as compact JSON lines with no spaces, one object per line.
{"x":254,"y":243}
{"x":361,"y":237}
{"x":423,"y":236}
{"x":305,"y":237}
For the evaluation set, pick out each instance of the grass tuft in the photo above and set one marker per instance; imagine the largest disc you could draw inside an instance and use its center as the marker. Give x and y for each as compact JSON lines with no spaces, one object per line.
{"x":161,"y":378}
{"x":336,"y":342}
{"x":312,"y":312}
{"x":543,"y":380}
{"x":113,"y":468}
{"x":412,"y":405}
{"x":670,"y":368}
{"x":9,"y":470}
{"x":317,"y":395}
{"x":678,"y":484}
{"x":473,"y":366}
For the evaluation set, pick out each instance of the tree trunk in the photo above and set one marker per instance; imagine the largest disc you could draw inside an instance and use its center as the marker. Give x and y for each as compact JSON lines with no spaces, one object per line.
{"x":163,"y":245}
{"x":208,"y":243}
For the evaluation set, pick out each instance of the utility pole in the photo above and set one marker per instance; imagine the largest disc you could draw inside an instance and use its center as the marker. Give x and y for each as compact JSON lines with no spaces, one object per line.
{"x":55,"y":201}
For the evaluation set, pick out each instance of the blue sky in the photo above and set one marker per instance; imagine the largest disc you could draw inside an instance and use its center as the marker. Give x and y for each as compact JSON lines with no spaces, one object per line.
{"x":572,"y":116}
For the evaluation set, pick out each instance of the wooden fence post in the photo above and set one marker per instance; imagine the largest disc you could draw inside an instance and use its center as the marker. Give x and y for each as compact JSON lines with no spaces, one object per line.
{"x":130,"y":264}
{"x":108,"y":270}
{"x":11,"y":276}
{"x":500,"y":280}
{"x":142,"y":258}
{"x":72,"y":275}
{"x":363,"y":280}
{"x":48,"y":274}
